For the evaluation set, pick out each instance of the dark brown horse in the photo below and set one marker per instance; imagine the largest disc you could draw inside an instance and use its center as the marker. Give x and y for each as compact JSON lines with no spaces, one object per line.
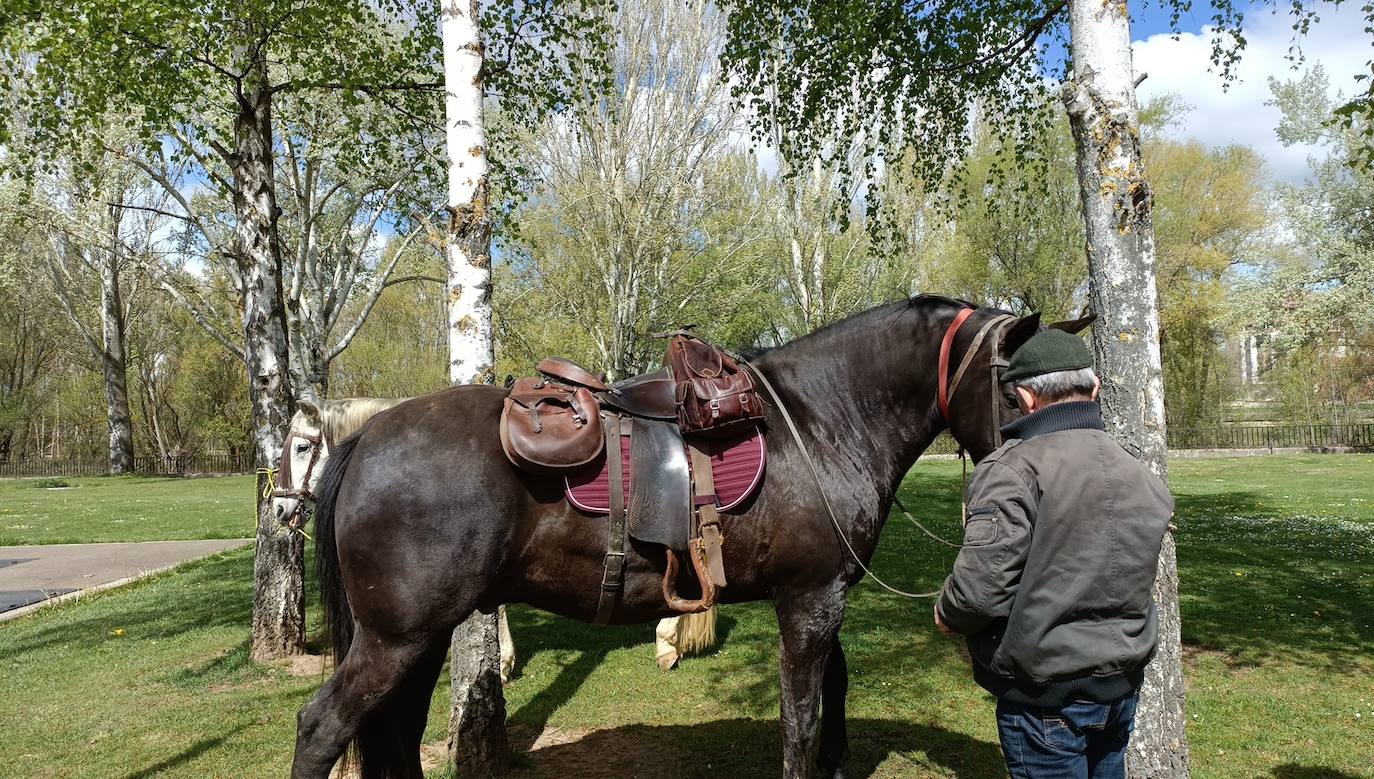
{"x":421,"y":520}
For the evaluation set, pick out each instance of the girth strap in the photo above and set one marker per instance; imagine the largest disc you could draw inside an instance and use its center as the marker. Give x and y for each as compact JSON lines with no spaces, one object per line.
{"x":704,"y":500}
{"x":613,"y":575}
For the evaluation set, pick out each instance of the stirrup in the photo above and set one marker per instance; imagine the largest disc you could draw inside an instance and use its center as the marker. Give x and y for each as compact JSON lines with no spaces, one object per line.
{"x":697,"y":551}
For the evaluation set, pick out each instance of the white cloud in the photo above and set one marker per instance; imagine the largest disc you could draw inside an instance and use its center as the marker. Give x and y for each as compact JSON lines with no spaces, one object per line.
{"x":1222,"y":116}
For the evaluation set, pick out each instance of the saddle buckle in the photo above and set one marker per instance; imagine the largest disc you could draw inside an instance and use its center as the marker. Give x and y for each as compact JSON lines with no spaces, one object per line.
{"x":614,"y":574}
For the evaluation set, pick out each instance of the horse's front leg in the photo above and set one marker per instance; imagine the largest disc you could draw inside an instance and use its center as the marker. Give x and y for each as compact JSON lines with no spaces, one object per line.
{"x":809,"y":623}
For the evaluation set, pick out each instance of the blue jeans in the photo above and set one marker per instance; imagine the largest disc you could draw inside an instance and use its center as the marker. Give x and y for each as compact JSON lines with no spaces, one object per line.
{"x":1080,"y":740}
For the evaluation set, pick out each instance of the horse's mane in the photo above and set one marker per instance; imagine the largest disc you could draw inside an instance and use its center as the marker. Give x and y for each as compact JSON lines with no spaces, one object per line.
{"x":862,"y":319}
{"x":341,"y":417}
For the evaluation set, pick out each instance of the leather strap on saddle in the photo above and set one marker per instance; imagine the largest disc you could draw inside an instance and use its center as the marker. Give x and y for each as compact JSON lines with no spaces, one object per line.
{"x":704,"y":547}
{"x":613,"y":573}
{"x":704,"y":500}
{"x":568,"y":371}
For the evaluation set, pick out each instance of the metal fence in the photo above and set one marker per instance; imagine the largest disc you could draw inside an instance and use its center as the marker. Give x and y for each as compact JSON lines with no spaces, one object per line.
{"x":1358,"y":435}
{"x":152,"y":465}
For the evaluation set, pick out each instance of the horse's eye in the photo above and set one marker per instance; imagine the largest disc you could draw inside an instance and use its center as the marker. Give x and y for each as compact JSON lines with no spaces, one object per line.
{"x":302,"y":448}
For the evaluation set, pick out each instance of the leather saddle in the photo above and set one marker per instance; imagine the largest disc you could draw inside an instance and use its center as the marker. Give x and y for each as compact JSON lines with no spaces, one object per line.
{"x":661,"y":425}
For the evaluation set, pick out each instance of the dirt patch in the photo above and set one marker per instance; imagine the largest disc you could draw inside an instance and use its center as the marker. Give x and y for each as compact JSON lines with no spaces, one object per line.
{"x":302,"y":665}
{"x":581,"y":752}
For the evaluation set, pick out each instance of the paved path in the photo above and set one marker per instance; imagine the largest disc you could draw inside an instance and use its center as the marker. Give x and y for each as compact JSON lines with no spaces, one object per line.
{"x":32,"y":575}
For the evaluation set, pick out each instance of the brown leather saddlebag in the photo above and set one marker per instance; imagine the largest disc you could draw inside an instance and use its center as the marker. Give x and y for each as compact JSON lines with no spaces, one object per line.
{"x":714,"y":395}
{"x":547,"y":427}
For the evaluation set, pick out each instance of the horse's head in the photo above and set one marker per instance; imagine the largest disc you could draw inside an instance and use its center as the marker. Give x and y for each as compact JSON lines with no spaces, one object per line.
{"x":975,"y":402}
{"x":304,"y":452}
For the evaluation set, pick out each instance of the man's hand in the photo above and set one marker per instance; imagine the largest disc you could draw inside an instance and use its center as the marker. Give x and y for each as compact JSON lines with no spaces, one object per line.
{"x":939,"y":623}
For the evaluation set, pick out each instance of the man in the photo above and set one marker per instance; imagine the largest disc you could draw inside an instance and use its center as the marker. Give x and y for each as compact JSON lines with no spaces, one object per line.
{"x":1052,"y":585}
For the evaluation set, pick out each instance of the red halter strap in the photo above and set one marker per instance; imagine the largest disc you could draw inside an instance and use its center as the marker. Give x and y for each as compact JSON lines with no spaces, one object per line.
{"x":945,"y":346}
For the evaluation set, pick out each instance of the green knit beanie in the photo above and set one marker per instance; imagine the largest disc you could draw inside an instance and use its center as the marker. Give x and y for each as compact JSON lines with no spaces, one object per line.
{"x":1050,"y":351}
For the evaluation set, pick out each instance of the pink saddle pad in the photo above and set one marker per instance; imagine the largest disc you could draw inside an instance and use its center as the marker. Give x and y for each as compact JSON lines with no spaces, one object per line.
{"x":736,"y":465}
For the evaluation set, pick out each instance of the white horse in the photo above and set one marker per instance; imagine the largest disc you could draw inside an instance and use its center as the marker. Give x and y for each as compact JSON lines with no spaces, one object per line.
{"x":304,"y":453}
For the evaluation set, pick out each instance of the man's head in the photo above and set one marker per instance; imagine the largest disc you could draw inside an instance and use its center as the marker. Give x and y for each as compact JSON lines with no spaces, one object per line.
{"x":1052,"y":367}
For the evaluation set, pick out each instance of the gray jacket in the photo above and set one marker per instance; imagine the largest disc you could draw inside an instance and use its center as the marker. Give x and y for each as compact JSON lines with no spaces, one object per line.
{"x":1052,"y":586}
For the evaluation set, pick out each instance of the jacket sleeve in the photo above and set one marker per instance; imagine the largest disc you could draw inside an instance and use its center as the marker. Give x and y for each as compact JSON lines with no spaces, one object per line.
{"x":997,"y":537}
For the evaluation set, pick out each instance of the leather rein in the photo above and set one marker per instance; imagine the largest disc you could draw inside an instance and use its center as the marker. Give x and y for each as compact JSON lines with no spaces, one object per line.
{"x":945,"y":390}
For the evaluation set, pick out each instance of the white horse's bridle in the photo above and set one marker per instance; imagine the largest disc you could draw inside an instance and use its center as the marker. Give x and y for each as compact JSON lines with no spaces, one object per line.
{"x":292,"y":489}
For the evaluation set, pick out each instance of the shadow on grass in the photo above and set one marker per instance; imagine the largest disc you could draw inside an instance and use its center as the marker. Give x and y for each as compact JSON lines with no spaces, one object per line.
{"x":583,"y":649}
{"x":1257,"y":583}
{"x":753,"y":747}
{"x":1293,"y":771}
{"x":185,"y":756}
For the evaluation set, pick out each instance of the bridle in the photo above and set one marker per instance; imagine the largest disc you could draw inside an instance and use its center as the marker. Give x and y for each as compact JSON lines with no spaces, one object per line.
{"x":300,"y":490}
{"x":996,"y":365}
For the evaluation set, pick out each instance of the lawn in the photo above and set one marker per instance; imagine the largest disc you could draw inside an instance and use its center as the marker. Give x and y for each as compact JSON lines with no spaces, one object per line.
{"x":1277,"y":565}
{"x":124,"y":508}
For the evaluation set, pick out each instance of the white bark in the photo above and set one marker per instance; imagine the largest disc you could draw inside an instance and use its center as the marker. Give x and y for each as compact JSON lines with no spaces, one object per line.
{"x":1116,"y":199}
{"x":469,"y":248}
{"x":279,"y":562}
{"x":477,"y":722}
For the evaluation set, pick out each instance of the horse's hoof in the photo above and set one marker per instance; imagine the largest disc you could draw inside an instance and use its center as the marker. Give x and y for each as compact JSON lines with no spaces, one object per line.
{"x":668,"y":661}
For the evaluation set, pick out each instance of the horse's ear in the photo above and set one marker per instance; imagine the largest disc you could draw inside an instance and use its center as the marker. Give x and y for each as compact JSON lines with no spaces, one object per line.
{"x":1074,"y":326}
{"x":1019,"y":332}
{"x":308,"y":406}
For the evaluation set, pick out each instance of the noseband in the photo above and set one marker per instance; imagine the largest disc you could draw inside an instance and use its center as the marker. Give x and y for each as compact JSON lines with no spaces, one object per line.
{"x":298,"y":490}
{"x":996,"y":365}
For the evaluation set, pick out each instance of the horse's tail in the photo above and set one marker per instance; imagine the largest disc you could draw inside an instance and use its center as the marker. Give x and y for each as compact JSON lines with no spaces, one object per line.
{"x":696,"y":632}
{"x":338,"y":616}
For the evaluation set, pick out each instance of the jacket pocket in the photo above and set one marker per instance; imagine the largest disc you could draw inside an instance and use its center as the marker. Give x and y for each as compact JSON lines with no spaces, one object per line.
{"x":980,"y":526}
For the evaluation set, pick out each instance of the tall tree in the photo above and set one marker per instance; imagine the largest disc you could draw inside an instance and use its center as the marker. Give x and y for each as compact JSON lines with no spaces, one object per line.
{"x":1018,"y":231}
{"x":641,"y":212}
{"x":1328,"y":282}
{"x":95,"y":237}
{"x":31,"y":338}
{"x":1119,"y":226}
{"x":1211,"y":215}
{"x":204,"y":82}
{"x":477,"y":720}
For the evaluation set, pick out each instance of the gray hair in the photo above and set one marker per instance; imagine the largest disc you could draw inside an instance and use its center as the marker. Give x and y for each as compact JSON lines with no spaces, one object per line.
{"x":1061,"y":384}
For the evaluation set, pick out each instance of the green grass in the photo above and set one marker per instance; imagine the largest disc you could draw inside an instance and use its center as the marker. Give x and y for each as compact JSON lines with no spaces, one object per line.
{"x":154,"y":679}
{"x":124,"y":508}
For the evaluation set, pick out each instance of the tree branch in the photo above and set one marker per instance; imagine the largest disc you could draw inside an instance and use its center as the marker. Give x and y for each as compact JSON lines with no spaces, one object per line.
{"x":371,"y":89}
{"x":202,"y":317}
{"x":404,"y":279}
{"x":379,"y":283}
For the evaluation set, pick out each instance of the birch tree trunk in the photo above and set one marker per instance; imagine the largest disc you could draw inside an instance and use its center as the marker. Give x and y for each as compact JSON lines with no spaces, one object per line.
{"x":110,"y":349}
{"x":279,"y":562}
{"x":114,"y":359}
{"x":1100,"y":97}
{"x":477,"y":720}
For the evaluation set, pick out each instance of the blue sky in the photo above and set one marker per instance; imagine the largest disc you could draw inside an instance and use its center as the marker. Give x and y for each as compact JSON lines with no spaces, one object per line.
{"x":1236,"y":113}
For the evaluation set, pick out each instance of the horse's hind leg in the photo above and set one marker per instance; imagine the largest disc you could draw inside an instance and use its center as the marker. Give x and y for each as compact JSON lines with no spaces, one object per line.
{"x":375,"y":665}
{"x":809,"y":622}
{"x":390,"y":737}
